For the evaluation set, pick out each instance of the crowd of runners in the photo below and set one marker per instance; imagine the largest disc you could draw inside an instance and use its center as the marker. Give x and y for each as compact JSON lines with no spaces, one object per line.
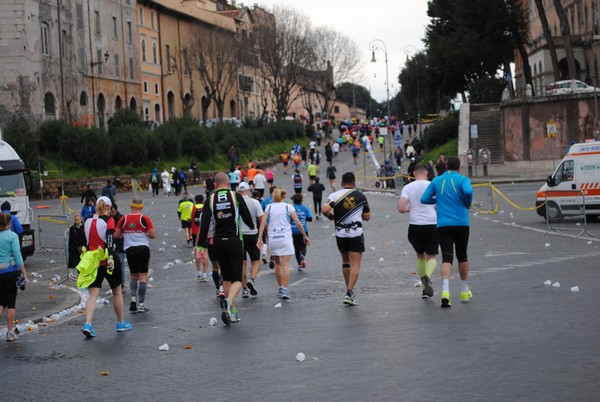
{"x":243,"y":215}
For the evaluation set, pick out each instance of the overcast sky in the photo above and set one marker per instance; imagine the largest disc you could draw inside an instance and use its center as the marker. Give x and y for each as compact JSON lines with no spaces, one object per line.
{"x":399,"y":23}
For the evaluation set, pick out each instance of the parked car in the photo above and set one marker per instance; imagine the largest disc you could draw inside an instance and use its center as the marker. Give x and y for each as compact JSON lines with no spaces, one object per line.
{"x":568,"y":87}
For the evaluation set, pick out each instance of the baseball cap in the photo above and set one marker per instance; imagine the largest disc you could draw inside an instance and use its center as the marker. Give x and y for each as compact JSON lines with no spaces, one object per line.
{"x":106,"y":200}
{"x":243,"y":186}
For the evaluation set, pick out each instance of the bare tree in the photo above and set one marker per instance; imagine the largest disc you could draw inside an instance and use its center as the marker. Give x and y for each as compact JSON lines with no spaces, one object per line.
{"x":214,"y":58}
{"x":284,"y":49}
{"x":566,"y":33}
{"x":548,"y":36}
{"x":180,"y":62}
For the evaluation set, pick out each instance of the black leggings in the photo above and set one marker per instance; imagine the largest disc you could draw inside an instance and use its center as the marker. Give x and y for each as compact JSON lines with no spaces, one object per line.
{"x":8,"y":289}
{"x":452,"y":237}
{"x":317,"y":202}
{"x":299,"y":247}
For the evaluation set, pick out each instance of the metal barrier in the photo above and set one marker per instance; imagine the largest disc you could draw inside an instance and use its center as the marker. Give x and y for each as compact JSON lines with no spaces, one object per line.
{"x":580,"y":209}
{"x":51,"y":232}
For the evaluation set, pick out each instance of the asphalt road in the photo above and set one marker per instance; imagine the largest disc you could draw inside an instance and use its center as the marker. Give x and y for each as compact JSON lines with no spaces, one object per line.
{"x":517,"y":340}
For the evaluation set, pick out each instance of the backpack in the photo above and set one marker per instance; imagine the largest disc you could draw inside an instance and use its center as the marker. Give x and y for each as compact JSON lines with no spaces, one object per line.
{"x":182,"y":176}
{"x":154,"y":178}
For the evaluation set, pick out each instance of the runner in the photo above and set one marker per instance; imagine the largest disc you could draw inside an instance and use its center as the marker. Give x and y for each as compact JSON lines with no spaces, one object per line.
{"x":136,"y":228}
{"x":331,"y":175}
{"x":260,"y":182}
{"x":250,"y":237}
{"x":252,"y":171}
{"x":285,"y":159}
{"x":200,"y":254}
{"x":270,"y":175}
{"x":166,"y":182}
{"x":297,"y":179}
{"x":304,"y":216}
{"x":99,"y":232}
{"x":422,"y":233}
{"x":281,"y":244}
{"x":184,"y":213}
{"x":452,"y":194}
{"x":209,"y":184}
{"x":226,"y":208}
{"x":348,"y":207}
{"x":312,"y":172}
{"x":317,"y":189}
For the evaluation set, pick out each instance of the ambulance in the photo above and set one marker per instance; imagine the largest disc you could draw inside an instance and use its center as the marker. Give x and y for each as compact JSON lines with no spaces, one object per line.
{"x":575,"y":182}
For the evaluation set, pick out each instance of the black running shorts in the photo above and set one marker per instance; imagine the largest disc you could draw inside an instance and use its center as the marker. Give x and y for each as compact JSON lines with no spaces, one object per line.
{"x":186,"y":224}
{"x":351,"y":244}
{"x":454,"y":237}
{"x":8,"y":289}
{"x":114,"y":279}
{"x":424,"y":238}
{"x":138,"y":258}
{"x":230,"y":254}
{"x":250,"y":247}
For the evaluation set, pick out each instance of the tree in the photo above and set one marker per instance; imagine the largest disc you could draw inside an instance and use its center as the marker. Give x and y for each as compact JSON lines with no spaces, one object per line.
{"x":518,"y":29}
{"x":284,"y":51}
{"x":566,"y":33}
{"x":356,"y":94}
{"x":214,"y":57}
{"x":548,"y":36}
{"x":465,"y":44}
{"x":24,"y":140}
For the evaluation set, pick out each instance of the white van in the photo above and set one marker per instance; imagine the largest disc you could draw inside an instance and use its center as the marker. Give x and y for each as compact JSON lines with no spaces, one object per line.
{"x":575,"y":180}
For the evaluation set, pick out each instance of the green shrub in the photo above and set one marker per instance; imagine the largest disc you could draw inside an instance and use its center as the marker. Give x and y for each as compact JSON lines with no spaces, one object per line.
{"x":170,"y":141}
{"x":129,"y":145}
{"x":94,"y":149}
{"x":154,"y":144}
{"x":124,"y":117}
{"x":441,"y":132}
{"x":49,"y":132}
{"x":198,"y":143}
{"x":25,"y":141}
{"x":68,"y":142}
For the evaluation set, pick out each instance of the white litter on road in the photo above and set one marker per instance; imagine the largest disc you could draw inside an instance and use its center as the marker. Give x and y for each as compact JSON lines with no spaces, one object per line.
{"x":548,"y":283}
{"x":547,"y":245}
{"x":556,"y":285}
{"x":381,"y":260}
{"x":300,"y":357}
{"x":278,"y":305}
{"x":575,"y":289}
{"x":212,"y":322}
{"x":164,"y":347}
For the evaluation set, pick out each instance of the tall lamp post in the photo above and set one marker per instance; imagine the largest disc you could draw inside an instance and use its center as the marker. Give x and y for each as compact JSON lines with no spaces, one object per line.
{"x":92,"y":65}
{"x":411,"y":50}
{"x":374,"y":45}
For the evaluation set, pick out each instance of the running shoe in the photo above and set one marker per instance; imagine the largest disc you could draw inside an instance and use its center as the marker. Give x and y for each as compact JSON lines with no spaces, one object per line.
{"x":141,"y":308}
{"x":226,"y":314}
{"x":465,"y":297}
{"x":264,"y":259}
{"x":446,"y":299}
{"x":272,"y":263}
{"x":125,"y":325}
{"x":133,"y":304}
{"x":234,"y":315}
{"x":88,"y":331}
{"x":279,"y":291}
{"x":300,"y":269}
{"x":220,"y":294}
{"x":199,"y":277}
{"x":285,"y":295}
{"x":427,"y":288}
{"x":349,"y":299}
{"x":245,"y":293}
{"x":302,"y":262}
{"x":11,"y":336}
{"x":250,"y":285}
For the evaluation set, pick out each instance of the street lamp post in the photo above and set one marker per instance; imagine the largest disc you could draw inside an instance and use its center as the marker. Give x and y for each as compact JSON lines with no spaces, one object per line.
{"x":408,"y":50}
{"x":378,"y":44}
{"x":92,"y":65}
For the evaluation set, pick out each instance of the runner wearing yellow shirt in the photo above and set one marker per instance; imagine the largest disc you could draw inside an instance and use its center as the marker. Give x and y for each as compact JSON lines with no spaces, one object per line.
{"x":312,"y":172}
{"x":184,"y":212}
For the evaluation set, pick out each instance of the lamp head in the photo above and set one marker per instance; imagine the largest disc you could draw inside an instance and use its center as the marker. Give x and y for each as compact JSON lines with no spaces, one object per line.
{"x":106,"y":56}
{"x":373,"y":60}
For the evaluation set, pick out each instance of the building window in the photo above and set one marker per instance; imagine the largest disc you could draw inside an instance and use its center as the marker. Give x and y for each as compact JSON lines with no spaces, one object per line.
{"x":129,"y":32}
{"x":146,"y":113}
{"x":142,"y":16}
{"x":49,"y":106}
{"x":171,"y":105}
{"x":143,"y":46}
{"x":145,"y":87}
{"x":115,"y":32}
{"x":156,"y":89}
{"x":99,"y":61}
{"x":168,"y":56}
{"x":83,"y":99}
{"x":63,"y":45}
{"x":157,"y":112}
{"x":131,"y":75}
{"x":336,"y":109}
{"x":154,"y":52}
{"x":186,"y":62}
{"x":97,"y":22}
{"x":45,"y":43}
{"x":117,"y":68}
{"x":79,"y":11}
{"x":152,"y":19}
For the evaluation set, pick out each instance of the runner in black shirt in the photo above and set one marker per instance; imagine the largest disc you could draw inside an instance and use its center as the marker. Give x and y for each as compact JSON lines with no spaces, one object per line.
{"x":226,"y":208}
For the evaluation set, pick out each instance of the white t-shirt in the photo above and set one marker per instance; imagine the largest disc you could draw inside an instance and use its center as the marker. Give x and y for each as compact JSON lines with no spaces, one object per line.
{"x":260,"y":181}
{"x":256,"y":211}
{"x":335,"y":147}
{"x":420,"y":214}
{"x":279,"y":220}
{"x":312,"y":144}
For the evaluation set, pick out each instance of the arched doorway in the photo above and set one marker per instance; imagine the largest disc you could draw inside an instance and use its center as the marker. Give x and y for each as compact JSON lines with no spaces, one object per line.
{"x":157,"y":112}
{"x":171,"y":105}
{"x":101,"y":107}
{"x":118,"y":103}
{"x":49,"y":104}
{"x":133,"y":104}
{"x":83,"y":99}
{"x":232,"y":109}
{"x":563,"y":69}
{"x":187,"y":105}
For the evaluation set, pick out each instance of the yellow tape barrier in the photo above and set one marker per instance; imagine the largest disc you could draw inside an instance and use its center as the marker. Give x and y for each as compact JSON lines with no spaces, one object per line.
{"x":495,"y":192}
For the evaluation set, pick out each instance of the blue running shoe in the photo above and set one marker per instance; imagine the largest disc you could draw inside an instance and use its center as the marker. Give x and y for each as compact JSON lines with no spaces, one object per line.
{"x":234,"y":315}
{"x":285,"y":295}
{"x":124,"y":326}
{"x":88,"y":331}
